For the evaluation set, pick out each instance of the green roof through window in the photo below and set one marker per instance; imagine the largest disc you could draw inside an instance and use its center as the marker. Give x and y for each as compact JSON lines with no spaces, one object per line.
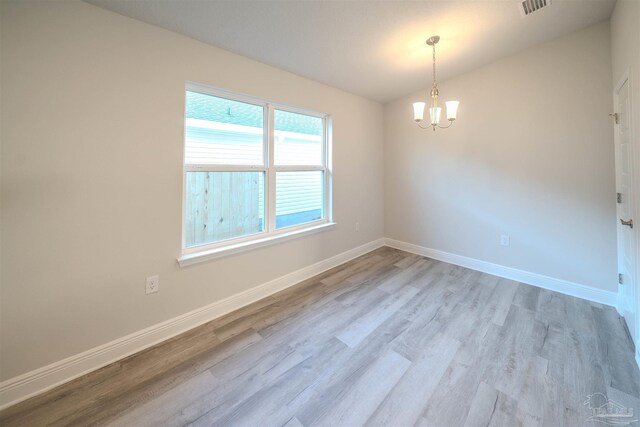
{"x":215,"y":109}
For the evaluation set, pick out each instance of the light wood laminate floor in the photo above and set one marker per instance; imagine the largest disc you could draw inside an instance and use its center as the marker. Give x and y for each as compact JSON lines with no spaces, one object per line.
{"x":389,"y":338}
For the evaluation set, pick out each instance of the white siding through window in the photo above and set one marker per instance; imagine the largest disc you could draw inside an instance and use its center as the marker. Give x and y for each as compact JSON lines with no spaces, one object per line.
{"x":210,"y":142}
{"x":298,"y":192}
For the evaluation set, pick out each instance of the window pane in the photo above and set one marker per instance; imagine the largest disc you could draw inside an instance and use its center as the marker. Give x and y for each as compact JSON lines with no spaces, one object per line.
{"x":222,"y":132}
{"x":298,"y":139}
{"x":299,"y":197}
{"x":223,"y":205}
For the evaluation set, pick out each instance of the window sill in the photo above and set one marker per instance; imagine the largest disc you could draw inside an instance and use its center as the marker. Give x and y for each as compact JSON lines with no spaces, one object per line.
{"x":208,"y":255}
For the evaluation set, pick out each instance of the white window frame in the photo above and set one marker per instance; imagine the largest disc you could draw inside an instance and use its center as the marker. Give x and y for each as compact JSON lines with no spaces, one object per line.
{"x":204,"y":252}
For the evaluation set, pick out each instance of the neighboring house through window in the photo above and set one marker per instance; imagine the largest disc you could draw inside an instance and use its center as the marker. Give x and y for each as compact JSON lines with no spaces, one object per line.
{"x":253,"y":170}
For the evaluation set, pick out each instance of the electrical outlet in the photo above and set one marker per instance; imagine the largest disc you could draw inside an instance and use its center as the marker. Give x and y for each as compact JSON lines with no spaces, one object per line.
{"x":153,"y":284}
{"x":504,"y":240}
{"x":357,"y":226}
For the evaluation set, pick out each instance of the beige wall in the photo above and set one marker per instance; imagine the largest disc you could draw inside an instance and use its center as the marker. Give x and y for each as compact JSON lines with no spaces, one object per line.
{"x":530,"y":156}
{"x":92,"y":124}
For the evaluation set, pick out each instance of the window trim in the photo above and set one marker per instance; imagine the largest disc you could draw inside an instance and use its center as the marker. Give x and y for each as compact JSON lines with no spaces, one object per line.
{"x":208,"y":255}
{"x":270,"y":235}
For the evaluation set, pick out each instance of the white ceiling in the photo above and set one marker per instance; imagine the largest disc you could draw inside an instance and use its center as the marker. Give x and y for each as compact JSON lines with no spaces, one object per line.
{"x":372,"y":48}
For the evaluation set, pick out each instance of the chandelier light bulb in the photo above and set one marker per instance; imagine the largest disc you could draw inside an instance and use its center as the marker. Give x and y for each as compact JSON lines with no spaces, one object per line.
{"x":434,"y":115}
{"x":418,"y":111}
{"x":452,"y":109}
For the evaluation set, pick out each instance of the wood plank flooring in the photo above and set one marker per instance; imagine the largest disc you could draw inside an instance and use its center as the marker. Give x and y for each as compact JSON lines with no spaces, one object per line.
{"x":389,"y":338}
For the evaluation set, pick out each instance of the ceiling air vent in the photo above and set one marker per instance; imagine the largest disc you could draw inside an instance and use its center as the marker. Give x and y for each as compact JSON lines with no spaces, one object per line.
{"x":527,"y":7}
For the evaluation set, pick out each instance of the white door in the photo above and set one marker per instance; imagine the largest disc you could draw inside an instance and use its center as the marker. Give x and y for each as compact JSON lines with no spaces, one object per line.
{"x":627,"y":225}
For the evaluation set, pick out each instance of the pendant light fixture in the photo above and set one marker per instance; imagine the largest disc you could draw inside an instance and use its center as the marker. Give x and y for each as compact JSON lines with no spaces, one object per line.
{"x":434,"y":110}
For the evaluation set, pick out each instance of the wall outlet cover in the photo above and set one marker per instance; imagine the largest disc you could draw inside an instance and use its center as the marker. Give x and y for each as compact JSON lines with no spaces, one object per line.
{"x":152,"y":285}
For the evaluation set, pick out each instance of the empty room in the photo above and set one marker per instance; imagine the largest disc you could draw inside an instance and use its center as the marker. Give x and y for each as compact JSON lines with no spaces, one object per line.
{"x":319,"y":212}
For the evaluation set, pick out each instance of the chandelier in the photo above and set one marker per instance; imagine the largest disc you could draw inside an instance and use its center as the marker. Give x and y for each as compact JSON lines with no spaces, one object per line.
{"x":434,"y":110}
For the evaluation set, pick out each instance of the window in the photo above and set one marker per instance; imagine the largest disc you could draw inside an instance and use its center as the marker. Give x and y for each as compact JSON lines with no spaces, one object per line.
{"x":253,"y":170}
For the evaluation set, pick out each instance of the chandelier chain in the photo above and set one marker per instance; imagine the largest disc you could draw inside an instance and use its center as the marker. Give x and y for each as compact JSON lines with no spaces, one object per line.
{"x":434,"y":64}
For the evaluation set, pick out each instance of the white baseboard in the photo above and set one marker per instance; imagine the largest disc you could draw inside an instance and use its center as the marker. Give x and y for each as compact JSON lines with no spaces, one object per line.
{"x":620,"y":304}
{"x":535,"y":279}
{"x":40,"y":380}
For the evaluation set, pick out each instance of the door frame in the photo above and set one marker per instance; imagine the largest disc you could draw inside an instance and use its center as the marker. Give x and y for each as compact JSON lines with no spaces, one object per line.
{"x":635,"y":171}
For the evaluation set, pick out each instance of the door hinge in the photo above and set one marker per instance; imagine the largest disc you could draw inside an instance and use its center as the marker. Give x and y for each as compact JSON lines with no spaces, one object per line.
{"x":619,"y":197}
{"x":615,"y":117}
{"x":620,"y":279}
